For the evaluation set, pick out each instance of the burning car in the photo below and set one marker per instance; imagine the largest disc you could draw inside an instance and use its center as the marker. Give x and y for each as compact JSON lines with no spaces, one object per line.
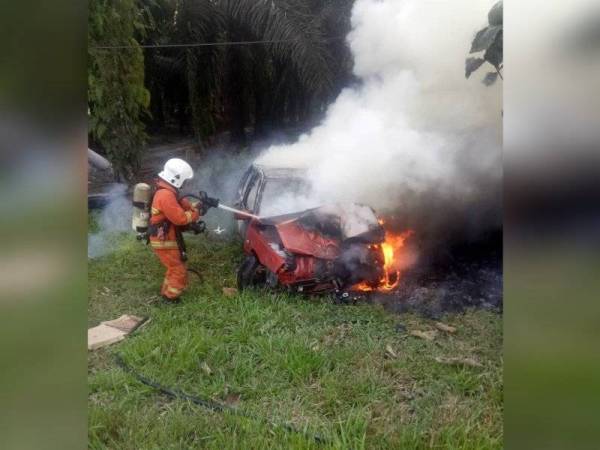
{"x":331,"y":248}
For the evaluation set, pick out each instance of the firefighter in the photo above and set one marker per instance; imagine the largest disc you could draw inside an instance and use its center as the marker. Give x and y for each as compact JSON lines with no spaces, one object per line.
{"x":169,"y":216}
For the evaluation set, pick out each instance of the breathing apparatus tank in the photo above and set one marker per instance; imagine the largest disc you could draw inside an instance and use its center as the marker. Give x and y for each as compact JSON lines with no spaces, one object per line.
{"x":142,"y":199}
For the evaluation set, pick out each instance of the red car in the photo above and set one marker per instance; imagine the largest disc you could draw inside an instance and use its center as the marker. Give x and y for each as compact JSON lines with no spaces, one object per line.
{"x":325,"y":249}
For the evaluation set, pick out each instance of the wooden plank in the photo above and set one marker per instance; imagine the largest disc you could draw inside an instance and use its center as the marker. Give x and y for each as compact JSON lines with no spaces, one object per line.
{"x":104,"y":335}
{"x":126,"y":323}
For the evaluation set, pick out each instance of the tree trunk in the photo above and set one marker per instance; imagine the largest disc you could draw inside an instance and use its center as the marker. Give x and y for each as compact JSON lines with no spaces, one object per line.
{"x":235,"y":102}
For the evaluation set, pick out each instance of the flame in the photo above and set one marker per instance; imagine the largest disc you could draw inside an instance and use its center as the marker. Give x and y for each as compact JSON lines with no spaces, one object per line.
{"x":391,"y":250}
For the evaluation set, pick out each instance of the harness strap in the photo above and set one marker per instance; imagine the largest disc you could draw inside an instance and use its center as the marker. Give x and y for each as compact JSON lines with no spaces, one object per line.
{"x":153,"y":230}
{"x":181,"y":244}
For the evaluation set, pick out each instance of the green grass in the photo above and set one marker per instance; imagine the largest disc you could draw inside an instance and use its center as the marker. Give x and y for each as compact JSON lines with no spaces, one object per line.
{"x":305,"y":361}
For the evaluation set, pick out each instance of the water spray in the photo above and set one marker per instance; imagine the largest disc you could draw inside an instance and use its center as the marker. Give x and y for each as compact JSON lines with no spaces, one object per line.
{"x":207,"y":202}
{"x":237,"y":211}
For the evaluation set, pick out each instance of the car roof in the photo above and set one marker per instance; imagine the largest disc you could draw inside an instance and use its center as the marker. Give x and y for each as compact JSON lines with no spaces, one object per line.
{"x":280,"y":172}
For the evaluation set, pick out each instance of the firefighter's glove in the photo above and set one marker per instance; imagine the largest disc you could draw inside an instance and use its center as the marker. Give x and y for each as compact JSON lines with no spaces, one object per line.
{"x":212,"y":202}
{"x":207,"y":202}
{"x":197,"y":227}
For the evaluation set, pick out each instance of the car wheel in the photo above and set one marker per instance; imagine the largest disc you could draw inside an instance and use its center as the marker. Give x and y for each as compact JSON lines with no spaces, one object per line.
{"x":250,"y":273}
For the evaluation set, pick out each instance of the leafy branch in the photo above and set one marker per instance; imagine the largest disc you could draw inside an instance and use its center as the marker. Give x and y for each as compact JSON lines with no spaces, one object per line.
{"x":488,"y":40}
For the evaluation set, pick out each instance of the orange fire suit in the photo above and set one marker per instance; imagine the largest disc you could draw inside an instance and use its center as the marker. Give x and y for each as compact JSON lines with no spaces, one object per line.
{"x":166,"y":208}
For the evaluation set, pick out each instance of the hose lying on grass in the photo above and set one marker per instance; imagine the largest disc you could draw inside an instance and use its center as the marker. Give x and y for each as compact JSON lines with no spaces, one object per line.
{"x":209,"y":404}
{"x":194,"y":271}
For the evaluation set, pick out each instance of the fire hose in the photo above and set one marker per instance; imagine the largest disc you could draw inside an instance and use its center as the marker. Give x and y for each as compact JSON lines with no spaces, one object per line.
{"x":209,"y":202}
{"x":210,"y":404}
{"x":183,"y":249}
{"x":206,"y":202}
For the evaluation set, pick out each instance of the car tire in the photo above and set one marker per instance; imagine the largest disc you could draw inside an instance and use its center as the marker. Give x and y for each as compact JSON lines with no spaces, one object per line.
{"x":251,"y":273}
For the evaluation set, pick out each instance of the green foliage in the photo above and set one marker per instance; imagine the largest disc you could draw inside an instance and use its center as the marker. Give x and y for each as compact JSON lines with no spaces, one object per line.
{"x":488,"y":40}
{"x":117,"y":97}
{"x":285,"y":81}
{"x":296,"y":37}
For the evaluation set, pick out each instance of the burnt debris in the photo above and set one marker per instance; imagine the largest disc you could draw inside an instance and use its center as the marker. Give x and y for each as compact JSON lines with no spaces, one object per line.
{"x":465,"y":276}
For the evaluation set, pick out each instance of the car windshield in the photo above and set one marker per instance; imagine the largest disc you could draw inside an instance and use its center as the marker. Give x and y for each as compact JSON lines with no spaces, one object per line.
{"x":286,"y":195}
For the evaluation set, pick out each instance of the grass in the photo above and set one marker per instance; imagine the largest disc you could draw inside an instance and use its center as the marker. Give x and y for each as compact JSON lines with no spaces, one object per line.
{"x":322,"y":367}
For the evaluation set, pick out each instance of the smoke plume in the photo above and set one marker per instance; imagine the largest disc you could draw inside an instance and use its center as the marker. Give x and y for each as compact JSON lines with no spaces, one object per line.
{"x":414,"y":139}
{"x":113,"y":219}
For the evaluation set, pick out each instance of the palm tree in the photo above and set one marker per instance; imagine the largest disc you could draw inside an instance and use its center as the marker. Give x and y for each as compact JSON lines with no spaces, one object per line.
{"x":282,"y":82}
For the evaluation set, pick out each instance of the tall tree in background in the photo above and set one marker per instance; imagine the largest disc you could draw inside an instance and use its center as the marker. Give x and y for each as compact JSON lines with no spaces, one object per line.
{"x":117,"y":97}
{"x":283,"y":81}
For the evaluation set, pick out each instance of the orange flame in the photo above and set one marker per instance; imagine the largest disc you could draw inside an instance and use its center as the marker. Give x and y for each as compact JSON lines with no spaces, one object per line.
{"x":392,"y":256}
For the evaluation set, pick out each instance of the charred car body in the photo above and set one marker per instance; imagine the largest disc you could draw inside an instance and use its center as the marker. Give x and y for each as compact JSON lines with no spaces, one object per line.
{"x":323,"y":249}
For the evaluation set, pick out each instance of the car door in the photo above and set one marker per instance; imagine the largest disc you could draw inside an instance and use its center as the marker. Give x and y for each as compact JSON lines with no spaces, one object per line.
{"x":250,"y":202}
{"x":249,"y":195}
{"x":242,"y":187}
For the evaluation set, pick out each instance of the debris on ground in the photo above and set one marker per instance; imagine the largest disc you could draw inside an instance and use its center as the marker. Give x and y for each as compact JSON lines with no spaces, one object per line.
{"x":390,"y":351}
{"x":112,"y":331}
{"x":460,"y":278}
{"x":126,"y":323}
{"x":219,"y":230}
{"x":446,"y":328}
{"x":229,"y":291}
{"x":400,"y":328}
{"x":104,"y":335}
{"x":205,"y":368}
{"x":458,"y":361}
{"x":232,"y":400}
{"x":427,"y":335}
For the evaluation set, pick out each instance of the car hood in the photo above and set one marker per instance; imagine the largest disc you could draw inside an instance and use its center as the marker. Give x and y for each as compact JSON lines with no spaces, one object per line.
{"x":322,"y":231}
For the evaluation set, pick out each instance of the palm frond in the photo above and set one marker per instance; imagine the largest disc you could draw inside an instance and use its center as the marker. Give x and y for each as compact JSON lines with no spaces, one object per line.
{"x":295,"y":33}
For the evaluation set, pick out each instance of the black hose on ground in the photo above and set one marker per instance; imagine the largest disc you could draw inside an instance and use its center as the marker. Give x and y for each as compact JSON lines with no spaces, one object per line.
{"x":207,"y":403}
{"x":196,"y":272}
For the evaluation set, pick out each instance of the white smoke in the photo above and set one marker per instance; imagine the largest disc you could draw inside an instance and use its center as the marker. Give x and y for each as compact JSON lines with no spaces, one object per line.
{"x":218,"y":174}
{"x":415,"y":135}
{"x":114,"y":219}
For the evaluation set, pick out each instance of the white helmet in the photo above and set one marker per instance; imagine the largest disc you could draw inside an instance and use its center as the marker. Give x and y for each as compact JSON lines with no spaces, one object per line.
{"x":176,"y":171}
